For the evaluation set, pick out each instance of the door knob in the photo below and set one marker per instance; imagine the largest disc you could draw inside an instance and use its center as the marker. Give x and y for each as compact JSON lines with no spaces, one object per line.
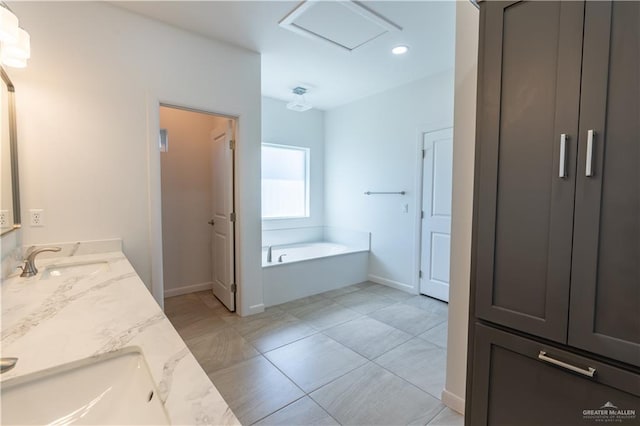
{"x":211,"y":222}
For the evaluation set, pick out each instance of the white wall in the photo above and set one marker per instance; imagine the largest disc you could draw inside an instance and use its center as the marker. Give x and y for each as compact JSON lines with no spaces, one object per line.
{"x":374,"y":145}
{"x":464,"y":129}
{"x":187,"y":199}
{"x":306,"y":129}
{"x":88,"y":107}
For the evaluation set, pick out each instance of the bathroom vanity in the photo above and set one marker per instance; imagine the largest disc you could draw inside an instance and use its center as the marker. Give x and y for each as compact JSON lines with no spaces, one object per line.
{"x":92,"y":313}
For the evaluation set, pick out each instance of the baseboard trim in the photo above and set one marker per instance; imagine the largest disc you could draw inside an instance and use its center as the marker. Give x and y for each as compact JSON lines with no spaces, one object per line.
{"x":255,"y":309}
{"x":453,"y":401}
{"x":391,"y":283}
{"x":188,"y":289}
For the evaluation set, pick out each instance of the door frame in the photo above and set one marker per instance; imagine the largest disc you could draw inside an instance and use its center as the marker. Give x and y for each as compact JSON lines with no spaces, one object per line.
{"x":417,"y":260}
{"x":155,"y":196}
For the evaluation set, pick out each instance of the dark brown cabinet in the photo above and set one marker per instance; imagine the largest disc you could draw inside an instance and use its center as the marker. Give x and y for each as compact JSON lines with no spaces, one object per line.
{"x":605,"y":277}
{"x":556,"y":255}
{"x":558,"y":211}
{"x":529,"y":89}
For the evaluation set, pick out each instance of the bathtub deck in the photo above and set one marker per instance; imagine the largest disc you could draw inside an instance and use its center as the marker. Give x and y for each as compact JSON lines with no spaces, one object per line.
{"x":367,"y":343}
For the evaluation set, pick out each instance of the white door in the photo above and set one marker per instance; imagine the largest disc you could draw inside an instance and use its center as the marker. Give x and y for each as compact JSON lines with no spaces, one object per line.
{"x":436,"y":209}
{"x":222,"y":239}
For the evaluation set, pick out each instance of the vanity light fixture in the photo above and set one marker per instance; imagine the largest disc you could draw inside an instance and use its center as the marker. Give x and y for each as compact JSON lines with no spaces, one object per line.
{"x":400,"y":50}
{"x":15,"y":42}
{"x":8,"y":24}
{"x":299,"y":103}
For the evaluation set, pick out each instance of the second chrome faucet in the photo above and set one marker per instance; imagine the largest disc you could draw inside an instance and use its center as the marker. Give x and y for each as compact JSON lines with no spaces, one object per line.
{"x":29,"y":269}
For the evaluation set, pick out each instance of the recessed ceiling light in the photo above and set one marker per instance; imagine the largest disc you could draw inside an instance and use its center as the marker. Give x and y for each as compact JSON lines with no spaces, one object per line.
{"x":400,"y":50}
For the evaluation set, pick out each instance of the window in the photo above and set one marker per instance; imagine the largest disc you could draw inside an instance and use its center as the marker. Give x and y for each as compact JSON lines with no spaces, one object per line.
{"x":285,"y":182}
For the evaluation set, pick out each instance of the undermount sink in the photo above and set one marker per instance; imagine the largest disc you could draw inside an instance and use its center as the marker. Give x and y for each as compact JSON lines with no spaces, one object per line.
{"x":111,"y":389}
{"x":75,"y":269}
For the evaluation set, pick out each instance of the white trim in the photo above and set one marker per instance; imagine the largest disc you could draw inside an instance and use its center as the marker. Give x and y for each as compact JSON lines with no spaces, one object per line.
{"x":390,"y":283}
{"x":417,"y":252}
{"x":155,"y":200}
{"x":154,"y":193}
{"x":186,"y":289}
{"x":255,"y":309}
{"x":453,"y":401}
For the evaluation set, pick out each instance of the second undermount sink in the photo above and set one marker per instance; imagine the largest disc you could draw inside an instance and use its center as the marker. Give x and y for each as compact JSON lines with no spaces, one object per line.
{"x":112,"y":389}
{"x":87,"y":268}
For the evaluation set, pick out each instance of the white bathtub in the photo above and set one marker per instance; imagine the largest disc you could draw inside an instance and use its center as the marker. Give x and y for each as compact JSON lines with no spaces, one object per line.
{"x":311,"y":268}
{"x":304,"y":251}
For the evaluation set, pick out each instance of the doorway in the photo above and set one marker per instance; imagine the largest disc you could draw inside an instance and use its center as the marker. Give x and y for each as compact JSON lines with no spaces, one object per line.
{"x":198,"y":216}
{"x":437,"y":167}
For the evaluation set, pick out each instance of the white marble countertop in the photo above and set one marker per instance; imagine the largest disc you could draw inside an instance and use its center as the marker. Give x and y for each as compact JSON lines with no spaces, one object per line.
{"x":47,"y":322}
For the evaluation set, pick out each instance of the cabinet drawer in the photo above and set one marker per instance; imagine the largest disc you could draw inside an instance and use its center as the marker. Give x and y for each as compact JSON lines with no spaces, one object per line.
{"x":518,"y":381}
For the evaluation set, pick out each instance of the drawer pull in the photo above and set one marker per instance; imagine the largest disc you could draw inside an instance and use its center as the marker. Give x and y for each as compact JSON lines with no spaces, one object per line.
{"x":589,"y":372}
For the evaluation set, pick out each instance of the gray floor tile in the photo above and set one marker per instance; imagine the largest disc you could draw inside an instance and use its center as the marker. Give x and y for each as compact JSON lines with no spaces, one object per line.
{"x":183,"y":304}
{"x":309,"y":306}
{"x":428,"y":304}
{"x":370,"y":395}
{"x":254,"y":389}
{"x":302,"y":412}
{"x":325,"y":314}
{"x":436,"y":335}
{"x":363,"y":301}
{"x":294,"y":304}
{"x":368,"y":337}
{"x":420,"y":363}
{"x":447,"y":417}
{"x":314,"y":361}
{"x":209,"y":299}
{"x":340,"y":291}
{"x":220,"y":349}
{"x":408,"y":318}
{"x":364,"y":284}
{"x":391,"y":293}
{"x":196,"y":324}
{"x":268,"y":334}
{"x":235,"y":319}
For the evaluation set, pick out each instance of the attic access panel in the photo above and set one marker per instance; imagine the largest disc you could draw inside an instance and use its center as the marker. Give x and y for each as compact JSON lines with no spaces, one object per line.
{"x":346,"y":24}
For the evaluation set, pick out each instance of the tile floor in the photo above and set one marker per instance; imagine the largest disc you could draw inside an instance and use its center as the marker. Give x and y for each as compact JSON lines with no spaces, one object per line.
{"x":365,"y":354}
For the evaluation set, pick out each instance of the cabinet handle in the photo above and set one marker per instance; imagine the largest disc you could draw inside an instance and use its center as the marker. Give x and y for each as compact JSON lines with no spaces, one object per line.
{"x":563,"y":156}
{"x":589,"y":372}
{"x":589,"y":166}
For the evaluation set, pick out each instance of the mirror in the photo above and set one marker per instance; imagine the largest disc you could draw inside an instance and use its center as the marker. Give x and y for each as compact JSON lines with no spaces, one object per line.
{"x":9,"y":192}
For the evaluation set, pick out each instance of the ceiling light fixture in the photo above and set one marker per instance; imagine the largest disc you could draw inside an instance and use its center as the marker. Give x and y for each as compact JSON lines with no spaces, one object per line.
{"x":400,"y":50}
{"x":15,"y":43}
{"x":299,"y":103}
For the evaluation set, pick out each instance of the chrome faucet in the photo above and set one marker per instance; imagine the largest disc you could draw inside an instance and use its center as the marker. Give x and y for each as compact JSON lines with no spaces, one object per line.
{"x":280,"y":258}
{"x":269,"y":254}
{"x":29,"y":269}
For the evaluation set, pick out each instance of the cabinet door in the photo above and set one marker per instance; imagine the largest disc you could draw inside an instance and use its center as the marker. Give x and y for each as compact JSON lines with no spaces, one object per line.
{"x":517,"y":381}
{"x":529,"y":90}
{"x":605,"y":287}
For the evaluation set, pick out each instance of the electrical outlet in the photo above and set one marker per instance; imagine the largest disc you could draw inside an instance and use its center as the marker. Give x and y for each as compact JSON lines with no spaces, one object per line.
{"x":4,"y":218}
{"x":36,"y":217}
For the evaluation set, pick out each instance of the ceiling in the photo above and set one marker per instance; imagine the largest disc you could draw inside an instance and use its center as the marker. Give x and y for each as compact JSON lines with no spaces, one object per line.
{"x":334,"y":75}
